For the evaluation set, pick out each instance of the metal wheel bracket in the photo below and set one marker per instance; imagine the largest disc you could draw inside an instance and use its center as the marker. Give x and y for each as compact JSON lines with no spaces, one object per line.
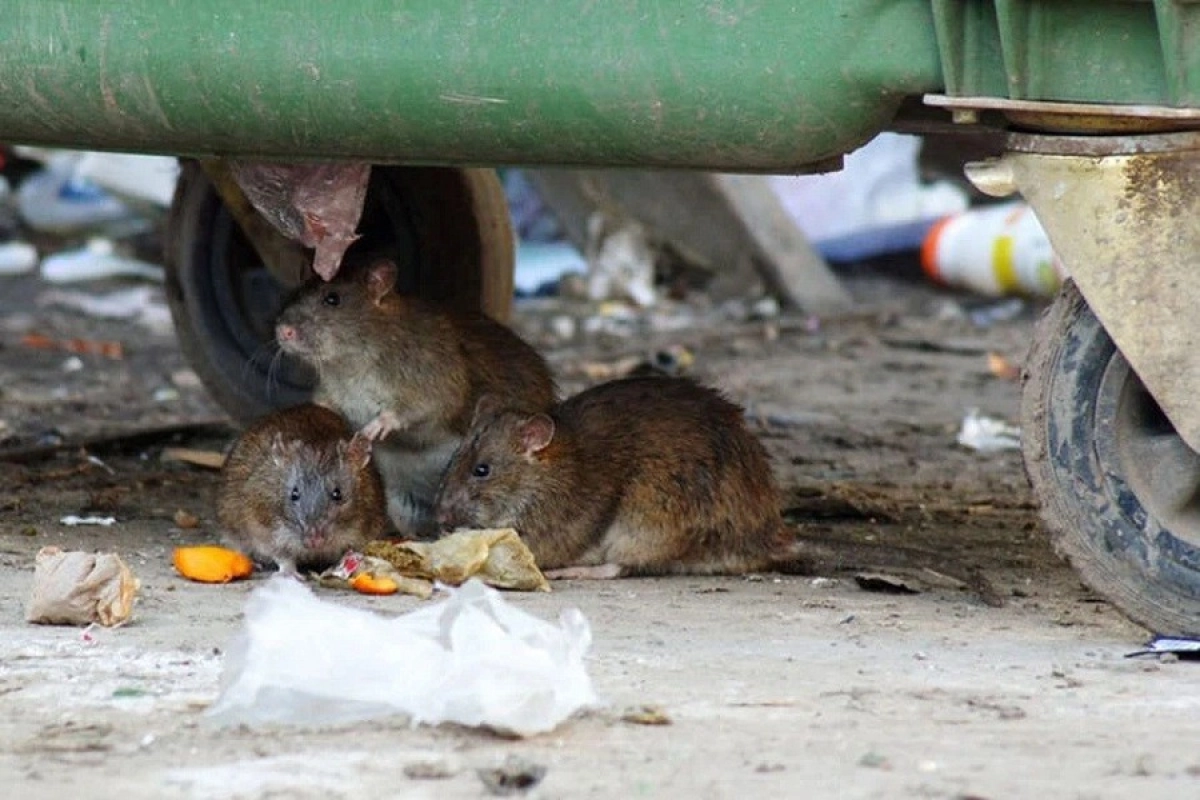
{"x":1123,"y":215}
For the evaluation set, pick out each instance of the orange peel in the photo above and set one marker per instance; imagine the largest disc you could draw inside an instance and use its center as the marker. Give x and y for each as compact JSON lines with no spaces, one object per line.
{"x":212,"y":564}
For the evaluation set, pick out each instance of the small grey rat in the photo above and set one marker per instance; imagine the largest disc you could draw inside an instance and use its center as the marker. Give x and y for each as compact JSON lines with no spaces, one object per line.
{"x":641,"y":476}
{"x":408,"y":373}
{"x":298,"y":488}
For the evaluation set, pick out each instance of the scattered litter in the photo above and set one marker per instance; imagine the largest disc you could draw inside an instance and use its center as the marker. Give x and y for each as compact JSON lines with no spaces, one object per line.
{"x":210,"y":459}
{"x":211,"y":564}
{"x":72,"y":520}
{"x":541,"y":265}
{"x":1182,"y":648}
{"x":166,"y":394}
{"x":77,"y":588}
{"x":17,"y":258}
{"x":141,"y":178}
{"x":140,"y":304}
{"x":646,"y":715}
{"x":993,"y":313}
{"x":515,"y":776}
{"x":876,"y":204}
{"x":620,"y":262}
{"x":884,"y":584}
{"x":72,"y":364}
{"x":95,"y":462}
{"x":316,"y":204}
{"x":1002,"y":367}
{"x":472,"y":659}
{"x":57,"y":200}
{"x":497,"y":557}
{"x":96,"y":260}
{"x":36,"y":341}
{"x":186,"y":379}
{"x":988,"y":435}
{"x":186,"y":520}
{"x":994,"y":250}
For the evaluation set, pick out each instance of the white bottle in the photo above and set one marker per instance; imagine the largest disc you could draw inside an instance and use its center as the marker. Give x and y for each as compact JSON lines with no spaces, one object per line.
{"x":995,"y":250}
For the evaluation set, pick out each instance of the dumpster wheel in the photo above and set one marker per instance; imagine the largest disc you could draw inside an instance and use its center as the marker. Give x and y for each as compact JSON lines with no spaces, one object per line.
{"x":1119,"y":489}
{"x":448,"y":229}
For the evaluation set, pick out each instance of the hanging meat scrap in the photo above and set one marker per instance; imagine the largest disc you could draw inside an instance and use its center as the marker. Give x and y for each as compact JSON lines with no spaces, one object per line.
{"x":317,"y":204}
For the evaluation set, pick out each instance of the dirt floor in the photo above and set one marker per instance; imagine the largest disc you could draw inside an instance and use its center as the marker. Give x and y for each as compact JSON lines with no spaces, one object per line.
{"x":775,"y":686}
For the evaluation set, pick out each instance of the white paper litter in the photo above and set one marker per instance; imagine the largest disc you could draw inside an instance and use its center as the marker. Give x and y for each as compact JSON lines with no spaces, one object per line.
{"x":142,"y":304}
{"x":988,"y":435}
{"x":472,"y":659}
{"x":95,"y":261}
{"x":71,"y":520}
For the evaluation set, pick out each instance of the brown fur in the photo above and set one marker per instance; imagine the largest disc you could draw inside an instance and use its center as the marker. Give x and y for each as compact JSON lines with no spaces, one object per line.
{"x":652,"y":475}
{"x":379,"y":351}
{"x":656,"y":475}
{"x":313,"y":449}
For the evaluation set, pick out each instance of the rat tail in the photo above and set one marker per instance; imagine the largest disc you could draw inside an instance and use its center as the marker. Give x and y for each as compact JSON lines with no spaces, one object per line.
{"x":809,"y":555}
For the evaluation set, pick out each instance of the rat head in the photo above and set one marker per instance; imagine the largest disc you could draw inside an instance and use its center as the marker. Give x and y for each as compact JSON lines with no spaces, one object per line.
{"x":319,"y":490}
{"x":326,"y":321}
{"x":498,"y":471}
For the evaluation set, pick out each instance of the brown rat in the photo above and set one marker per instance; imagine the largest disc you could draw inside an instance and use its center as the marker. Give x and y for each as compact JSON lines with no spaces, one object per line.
{"x":409,"y":373}
{"x":299,"y":488}
{"x":640,"y":476}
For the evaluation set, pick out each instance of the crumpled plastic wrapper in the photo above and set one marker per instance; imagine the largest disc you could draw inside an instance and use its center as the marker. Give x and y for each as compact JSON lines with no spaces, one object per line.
{"x":496,"y":556}
{"x":471,"y":659}
{"x":77,"y":588}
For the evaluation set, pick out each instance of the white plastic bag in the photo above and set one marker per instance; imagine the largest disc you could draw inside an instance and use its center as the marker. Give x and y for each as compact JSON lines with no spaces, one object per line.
{"x":472,"y":659}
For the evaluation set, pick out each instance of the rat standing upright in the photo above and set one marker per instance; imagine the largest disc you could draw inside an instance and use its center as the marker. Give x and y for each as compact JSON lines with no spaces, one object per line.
{"x":409,"y":373}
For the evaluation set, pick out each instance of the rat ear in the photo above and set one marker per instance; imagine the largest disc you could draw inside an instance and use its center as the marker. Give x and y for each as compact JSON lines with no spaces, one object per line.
{"x":536,"y":432}
{"x":278,"y":449}
{"x":486,"y":407}
{"x":357,"y":451}
{"x":381,"y":280}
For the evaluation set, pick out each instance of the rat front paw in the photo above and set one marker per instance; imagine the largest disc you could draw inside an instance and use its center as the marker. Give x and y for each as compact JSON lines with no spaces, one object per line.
{"x":381,"y":426}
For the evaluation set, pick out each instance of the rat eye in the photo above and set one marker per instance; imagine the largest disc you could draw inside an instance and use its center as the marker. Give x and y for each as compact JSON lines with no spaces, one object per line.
{"x":336,"y":495}
{"x":295,"y":495}
{"x":331,"y":299}
{"x":481,"y":470}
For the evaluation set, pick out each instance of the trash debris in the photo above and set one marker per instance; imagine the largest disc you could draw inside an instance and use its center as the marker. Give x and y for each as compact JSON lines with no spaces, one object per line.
{"x":515,"y":775}
{"x":113,"y":350}
{"x":497,"y":557}
{"x":77,"y":588}
{"x":1183,"y":648}
{"x":72,"y":520}
{"x":186,"y":520}
{"x":884,"y":584}
{"x":994,"y":313}
{"x":988,"y":435}
{"x":646,"y":715}
{"x":138,"y":303}
{"x":72,"y":364}
{"x":132,"y":176}
{"x":209,"y":459}
{"x":56,"y":199}
{"x":541,"y":265}
{"x":316,"y":204}
{"x":211,"y":564}
{"x":1002,"y":367}
{"x":996,"y":250}
{"x":17,"y":258}
{"x":472,"y":659}
{"x":96,"y":260}
{"x":620,"y":262}
{"x":876,"y":204}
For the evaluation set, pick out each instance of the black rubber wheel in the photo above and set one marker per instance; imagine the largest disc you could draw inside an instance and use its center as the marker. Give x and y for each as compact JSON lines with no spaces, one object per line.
{"x":448,"y":229}
{"x":1119,"y":489}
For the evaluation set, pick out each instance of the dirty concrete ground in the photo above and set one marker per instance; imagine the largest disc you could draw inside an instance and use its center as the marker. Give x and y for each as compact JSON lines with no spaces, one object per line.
{"x":776,"y":686}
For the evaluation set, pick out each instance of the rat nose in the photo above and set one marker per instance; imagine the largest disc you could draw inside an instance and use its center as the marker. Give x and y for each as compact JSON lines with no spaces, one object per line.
{"x":286,"y":333}
{"x":445,"y":519}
